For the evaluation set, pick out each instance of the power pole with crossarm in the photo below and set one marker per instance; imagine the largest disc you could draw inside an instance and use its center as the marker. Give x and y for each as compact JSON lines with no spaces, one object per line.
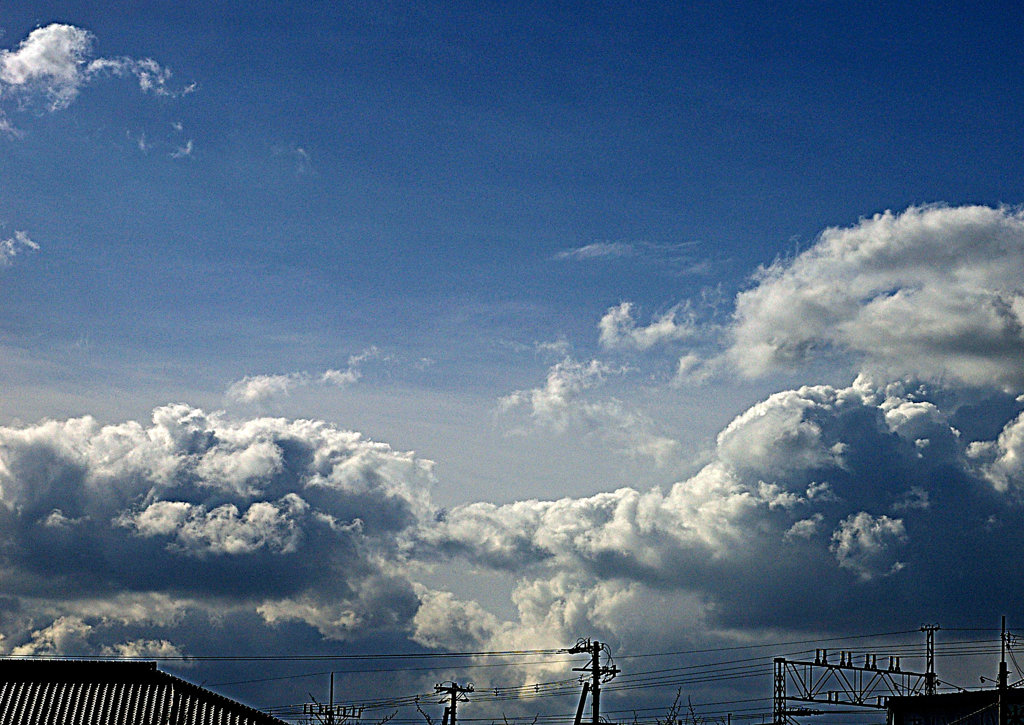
{"x":456,"y":694}
{"x":598,"y":674}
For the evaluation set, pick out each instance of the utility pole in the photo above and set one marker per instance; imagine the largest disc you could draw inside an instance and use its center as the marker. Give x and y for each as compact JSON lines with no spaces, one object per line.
{"x":455,"y":694}
{"x":598,"y":674}
{"x":1003,"y":674}
{"x":930,"y":680}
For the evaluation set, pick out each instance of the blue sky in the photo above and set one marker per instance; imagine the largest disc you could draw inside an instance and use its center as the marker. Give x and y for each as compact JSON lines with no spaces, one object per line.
{"x":499,"y":313}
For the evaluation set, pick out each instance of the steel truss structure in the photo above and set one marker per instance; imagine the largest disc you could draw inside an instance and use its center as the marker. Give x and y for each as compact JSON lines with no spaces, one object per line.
{"x":844,"y":684}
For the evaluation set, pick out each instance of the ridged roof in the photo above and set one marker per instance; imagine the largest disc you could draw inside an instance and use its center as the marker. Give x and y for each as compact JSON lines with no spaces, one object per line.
{"x":84,"y":692}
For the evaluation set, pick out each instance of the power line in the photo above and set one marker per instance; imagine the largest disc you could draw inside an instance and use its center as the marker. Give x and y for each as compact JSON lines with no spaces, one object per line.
{"x":392,"y":669}
{"x":766,"y":644}
{"x":719,"y":671}
{"x":503,"y":653}
{"x":297,"y":658}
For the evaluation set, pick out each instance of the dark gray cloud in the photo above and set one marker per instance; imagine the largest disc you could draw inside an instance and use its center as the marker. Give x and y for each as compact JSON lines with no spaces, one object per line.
{"x":197,"y":510}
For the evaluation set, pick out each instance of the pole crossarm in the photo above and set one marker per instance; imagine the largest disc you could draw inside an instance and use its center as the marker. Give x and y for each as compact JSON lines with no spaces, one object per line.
{"x":325,"y":713}
{"x":454,"y":693}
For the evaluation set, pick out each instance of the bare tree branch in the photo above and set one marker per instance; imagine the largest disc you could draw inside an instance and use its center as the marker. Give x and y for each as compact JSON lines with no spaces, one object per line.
{"x":673,"y":712}
{"x":694,"y":720}
{"x":430,"y":720}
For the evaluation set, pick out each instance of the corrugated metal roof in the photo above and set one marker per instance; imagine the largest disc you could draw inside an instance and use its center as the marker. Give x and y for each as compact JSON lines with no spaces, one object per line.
{"x":86,"y":692}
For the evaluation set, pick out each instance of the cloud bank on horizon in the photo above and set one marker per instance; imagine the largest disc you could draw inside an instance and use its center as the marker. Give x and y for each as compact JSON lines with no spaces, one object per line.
{"x":820,"y":508}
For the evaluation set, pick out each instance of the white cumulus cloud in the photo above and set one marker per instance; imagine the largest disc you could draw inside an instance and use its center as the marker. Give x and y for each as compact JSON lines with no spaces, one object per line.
{"x":55,"y":62}
{"x":863,"y":543}
{"x":933,"y":292}
{"x":619,"y":329}
{"x":555,"y":402}
{"x":1002,"y":460}
{"x":198,"y":516}
{"x":813,"y":489}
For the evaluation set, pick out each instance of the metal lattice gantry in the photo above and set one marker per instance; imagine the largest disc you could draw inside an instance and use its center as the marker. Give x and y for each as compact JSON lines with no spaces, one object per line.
{"x":842,"y":684}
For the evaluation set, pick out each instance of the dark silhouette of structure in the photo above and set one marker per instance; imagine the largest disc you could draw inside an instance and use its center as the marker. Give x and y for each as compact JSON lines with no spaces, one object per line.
{"x":980,"y":707}
{"x":87,"y":692}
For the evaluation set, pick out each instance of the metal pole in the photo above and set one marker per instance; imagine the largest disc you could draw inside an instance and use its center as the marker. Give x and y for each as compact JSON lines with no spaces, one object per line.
{"x":1003,"y":674}
{"x":930,"y":680}
{"x":779,"y":700}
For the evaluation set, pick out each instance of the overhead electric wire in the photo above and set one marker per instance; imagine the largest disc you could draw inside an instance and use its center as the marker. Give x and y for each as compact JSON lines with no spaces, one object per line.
{"x":550,"y":651}
{"x":662,"y":678}
{"x":301,"y":658}
{"x":395,"y":669}
{"x":702,"y":666}
{"x":765,"y":644}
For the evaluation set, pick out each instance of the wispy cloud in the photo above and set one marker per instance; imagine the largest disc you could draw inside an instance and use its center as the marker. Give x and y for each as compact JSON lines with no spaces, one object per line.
{"x":183,"y":151}
{"x":598,"y":250}
{"x":559,"y":348}
{"x":679,"y":257}
{"x":260,"y":388}
{"x":561,"y":403}
{"x":298,"y":155}
{"x":13,"y":246}
{"x":692,"y":368}
{"x":144,"y":145}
